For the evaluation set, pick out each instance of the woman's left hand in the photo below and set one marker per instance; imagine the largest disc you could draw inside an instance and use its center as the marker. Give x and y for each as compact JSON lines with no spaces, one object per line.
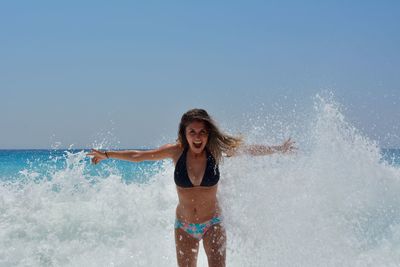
{"x":288,"y":146}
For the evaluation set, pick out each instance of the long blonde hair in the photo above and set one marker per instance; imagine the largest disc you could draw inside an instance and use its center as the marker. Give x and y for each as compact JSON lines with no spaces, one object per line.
{"x":217,"y":143}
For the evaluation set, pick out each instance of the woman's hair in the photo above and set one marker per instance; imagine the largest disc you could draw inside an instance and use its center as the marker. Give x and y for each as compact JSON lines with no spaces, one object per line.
{"x":217,"y":143}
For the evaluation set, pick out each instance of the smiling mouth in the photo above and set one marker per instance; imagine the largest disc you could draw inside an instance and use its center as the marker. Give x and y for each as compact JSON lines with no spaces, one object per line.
{"x":197,"y":144}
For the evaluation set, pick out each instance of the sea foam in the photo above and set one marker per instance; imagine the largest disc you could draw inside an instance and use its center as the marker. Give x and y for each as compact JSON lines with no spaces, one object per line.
{"x":334,"y":202}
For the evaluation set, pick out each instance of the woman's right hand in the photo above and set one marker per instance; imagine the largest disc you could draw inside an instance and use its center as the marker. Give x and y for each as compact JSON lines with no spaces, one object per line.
{"x":97,"y":156}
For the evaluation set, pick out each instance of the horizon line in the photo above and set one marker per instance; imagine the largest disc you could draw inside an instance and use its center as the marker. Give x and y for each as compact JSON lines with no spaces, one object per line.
{"x":112,"y":148}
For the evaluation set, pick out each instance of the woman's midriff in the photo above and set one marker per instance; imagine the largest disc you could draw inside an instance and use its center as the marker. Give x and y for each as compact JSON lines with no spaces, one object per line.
{"x":197,"y":204}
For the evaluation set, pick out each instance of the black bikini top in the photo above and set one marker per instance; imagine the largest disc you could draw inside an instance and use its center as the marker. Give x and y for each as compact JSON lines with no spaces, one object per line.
{"x":211,"y":174}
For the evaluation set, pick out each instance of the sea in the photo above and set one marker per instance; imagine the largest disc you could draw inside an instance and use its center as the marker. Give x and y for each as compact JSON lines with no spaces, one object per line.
{"x":335,"y":201}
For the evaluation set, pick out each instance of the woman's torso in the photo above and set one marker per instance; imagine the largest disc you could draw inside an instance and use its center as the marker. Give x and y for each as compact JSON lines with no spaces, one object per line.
{"x":197,"y":184}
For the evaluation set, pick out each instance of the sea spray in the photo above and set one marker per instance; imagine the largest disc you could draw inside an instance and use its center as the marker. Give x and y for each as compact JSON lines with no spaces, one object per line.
{"x":332,"y":203}
{"x":69,"y":220}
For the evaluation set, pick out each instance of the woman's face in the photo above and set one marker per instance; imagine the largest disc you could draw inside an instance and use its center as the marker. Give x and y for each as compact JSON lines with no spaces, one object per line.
{"x":197,"y":136}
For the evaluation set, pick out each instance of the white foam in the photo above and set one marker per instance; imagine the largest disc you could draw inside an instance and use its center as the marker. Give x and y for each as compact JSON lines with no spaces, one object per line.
{"x":334,"y":203}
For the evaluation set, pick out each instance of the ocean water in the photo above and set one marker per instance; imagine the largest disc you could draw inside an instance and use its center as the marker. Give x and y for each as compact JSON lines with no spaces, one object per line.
{"x":335,"y":202}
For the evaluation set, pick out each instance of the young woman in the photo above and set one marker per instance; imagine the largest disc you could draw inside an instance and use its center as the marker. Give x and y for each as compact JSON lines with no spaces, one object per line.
{"x":196,"y":154}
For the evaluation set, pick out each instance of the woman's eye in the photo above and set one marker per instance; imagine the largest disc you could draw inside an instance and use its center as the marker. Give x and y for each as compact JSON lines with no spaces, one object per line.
{"x":201,"y":133}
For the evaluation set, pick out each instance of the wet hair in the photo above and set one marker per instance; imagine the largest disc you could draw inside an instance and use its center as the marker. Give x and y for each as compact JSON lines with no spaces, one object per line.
{"x":218,"y":142}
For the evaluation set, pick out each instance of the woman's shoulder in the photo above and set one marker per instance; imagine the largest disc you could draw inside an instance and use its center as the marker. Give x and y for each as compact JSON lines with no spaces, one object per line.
{"x":174,"y":150}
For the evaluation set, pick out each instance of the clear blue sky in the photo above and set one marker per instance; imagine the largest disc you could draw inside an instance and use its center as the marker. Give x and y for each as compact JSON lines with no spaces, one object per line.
{"x":71,"y":71}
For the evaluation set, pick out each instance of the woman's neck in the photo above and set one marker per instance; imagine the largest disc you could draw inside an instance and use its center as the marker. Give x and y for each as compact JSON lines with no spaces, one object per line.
{"x":196,"y":155}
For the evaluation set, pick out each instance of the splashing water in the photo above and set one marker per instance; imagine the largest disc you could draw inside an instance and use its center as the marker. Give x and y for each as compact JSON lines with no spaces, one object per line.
{"x":333,"y":203}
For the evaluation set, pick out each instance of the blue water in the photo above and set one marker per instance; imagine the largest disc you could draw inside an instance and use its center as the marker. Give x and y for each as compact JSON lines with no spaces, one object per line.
{"x":44,"y":162}
{"x":391,"y":156}
{"x":335,"y":202}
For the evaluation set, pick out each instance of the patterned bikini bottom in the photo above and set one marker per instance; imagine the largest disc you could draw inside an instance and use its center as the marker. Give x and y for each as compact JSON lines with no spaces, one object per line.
{"x":197,"y":230}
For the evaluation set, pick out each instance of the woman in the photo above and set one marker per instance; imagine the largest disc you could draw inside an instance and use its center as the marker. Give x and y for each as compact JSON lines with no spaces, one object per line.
{"x":196,"y":154}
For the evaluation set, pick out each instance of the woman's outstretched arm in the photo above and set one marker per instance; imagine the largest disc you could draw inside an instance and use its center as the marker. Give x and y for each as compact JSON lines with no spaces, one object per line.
{"x":261,"y":150}
{"x":166,"y":151}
